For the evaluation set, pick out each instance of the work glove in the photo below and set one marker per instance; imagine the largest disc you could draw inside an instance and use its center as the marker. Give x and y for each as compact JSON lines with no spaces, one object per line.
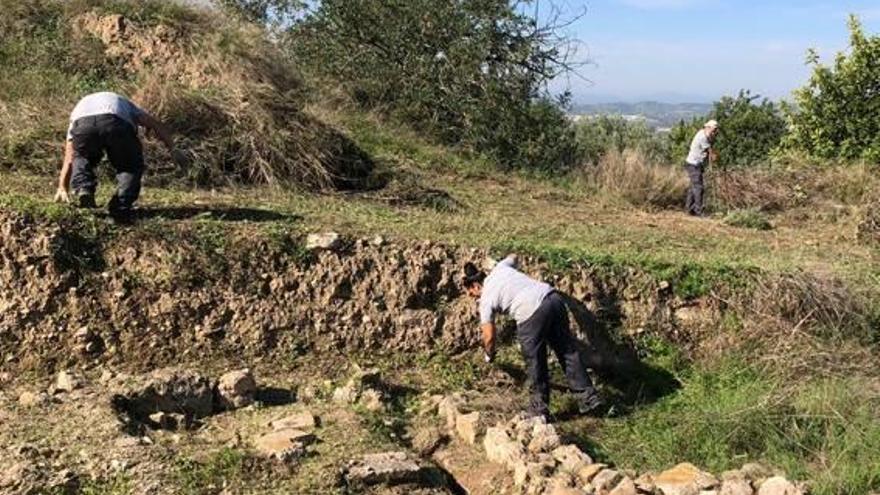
{"x":62,"y":195}
{"x":488,"y":357}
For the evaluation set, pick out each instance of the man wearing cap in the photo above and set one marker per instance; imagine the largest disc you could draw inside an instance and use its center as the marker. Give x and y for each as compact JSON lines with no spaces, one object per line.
{"x":108,"y":123}
{"x":541,"y":321}
{"x":697,"y":159}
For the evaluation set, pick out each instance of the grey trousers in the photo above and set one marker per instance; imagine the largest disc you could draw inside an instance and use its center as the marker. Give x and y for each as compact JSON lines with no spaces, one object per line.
{"x":92,"y":138}
{"x":694,"y":202}
{"x":549,"y":327}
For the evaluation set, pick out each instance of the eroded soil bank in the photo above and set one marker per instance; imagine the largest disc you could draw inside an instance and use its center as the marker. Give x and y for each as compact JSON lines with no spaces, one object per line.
{"x":73,"y":293}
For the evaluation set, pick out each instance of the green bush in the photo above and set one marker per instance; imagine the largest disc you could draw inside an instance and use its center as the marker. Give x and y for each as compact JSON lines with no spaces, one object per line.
{"x":600,"y":135}
{"x":835,"y":116}
{"x":750,"y":130}
{"x":467,"y":73}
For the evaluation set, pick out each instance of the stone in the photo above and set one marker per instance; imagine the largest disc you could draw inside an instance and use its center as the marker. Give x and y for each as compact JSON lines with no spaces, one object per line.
{"x":645,"y":483}
{"x":469,"y":427}
{"x":778,"y":485}
{"x":169,"y":421}
{"x":448,"y":409}
{"x":543,"y":439}
{"x":526,"y":472}
{"x":733,"y":474}
{"x":303,"y":421}
{"x":501,"y":449}
{"x":345,"y":395}
{"x":736,"y":486}
{"x":588,"y":472}
{"x":31,"y":399}
{"x":237,"y":389}
{"x":755,"y":472}
{"x":426,"y":441}
{"x":372,"y":400}
{"x":626,"y":486}
{"x":564,"y":490}
{"x":168,"y":390}
{"x":67,"y":381}
{"x":684,"y":479}
{"x":571,"y":458}
{"x":389,"y":467}
{"x":283,"y":445}
{"x":606,"y":480}
{"x":328,"y":241}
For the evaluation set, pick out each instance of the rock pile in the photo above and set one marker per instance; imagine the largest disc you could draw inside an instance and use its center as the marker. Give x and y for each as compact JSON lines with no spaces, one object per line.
{"x":364,"y":388}
{"x":541,"y":464}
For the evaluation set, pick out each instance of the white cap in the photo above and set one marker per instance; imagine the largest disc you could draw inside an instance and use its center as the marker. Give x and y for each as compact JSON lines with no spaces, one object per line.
{"x":712,"y":124}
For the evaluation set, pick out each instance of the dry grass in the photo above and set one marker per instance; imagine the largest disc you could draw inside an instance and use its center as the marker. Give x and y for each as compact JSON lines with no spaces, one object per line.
{"x":633,"y":178}
{"x":869,"y":226}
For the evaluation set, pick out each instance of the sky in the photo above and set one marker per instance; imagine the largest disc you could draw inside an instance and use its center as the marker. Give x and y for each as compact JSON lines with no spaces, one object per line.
{"x":700,"y":50}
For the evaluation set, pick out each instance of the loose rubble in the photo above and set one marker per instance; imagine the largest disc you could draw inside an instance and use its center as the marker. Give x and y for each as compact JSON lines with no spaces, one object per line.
{"x":540,"y":464}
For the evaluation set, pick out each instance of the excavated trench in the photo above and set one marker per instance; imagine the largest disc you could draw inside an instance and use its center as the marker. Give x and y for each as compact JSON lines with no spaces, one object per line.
{"x":147,"y":298}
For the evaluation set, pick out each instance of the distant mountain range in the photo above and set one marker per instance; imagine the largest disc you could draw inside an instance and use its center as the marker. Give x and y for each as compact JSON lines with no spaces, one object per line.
{"x":654,"y":113}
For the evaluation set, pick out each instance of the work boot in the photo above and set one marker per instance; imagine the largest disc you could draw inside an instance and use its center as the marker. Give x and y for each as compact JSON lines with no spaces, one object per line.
{"x":85,"y":200}
{"x":590,"y":403}
{"x":122,"y":215}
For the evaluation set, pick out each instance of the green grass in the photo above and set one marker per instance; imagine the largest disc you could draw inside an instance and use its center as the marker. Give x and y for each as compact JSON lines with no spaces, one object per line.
{"x":823,"y":430}
{"x":221,"y":469}
{"x":748,"y":219}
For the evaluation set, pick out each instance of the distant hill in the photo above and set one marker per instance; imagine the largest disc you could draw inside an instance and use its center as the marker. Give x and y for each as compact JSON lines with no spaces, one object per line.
{"x":655,"y":114}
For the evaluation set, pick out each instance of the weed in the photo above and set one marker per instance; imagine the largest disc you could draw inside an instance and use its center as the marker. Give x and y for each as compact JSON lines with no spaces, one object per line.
{"x":117,"y":485}
{"x":212,"y":475}
{"x":748,"y":219}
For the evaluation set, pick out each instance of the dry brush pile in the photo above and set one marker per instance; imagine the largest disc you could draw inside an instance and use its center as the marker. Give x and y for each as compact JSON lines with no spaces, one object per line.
{"x":232,"y":96}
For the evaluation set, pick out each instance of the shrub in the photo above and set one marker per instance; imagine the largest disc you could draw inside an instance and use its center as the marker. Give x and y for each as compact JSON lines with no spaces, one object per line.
{"x":835,"y":115}
{"x":466,"y":73}
{"x":749,"y":132}
{"x":597,"y":136}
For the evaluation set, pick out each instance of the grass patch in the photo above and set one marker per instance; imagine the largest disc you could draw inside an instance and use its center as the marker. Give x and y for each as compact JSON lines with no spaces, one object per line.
{"x":213,"y":475}
{"x":824,"y":430}
{"x":748,"y":219}
{"x":117,"y":485}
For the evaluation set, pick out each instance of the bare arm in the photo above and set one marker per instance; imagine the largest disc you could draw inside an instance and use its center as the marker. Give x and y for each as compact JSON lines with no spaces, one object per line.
{"x":151,"y":123}
{"x":62,"y":194}
{"x":489,"y":333}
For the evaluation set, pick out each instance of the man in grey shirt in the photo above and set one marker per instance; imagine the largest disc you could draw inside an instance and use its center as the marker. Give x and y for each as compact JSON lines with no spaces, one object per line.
{"x":695,"y":163}
{"x":108,"y":123}
{"x":541,"y":320}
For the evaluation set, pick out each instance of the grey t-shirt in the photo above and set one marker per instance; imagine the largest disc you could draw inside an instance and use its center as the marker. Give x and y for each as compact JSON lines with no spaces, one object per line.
{"x":507,"y":290}
{"x":699,"y":148}
{"x":104,"y":104}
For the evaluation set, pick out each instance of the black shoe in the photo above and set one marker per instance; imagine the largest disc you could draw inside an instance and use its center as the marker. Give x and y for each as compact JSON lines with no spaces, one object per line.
{"x":592,"y":405}
{"x":86,"y":200}
{"x":121,"y":215}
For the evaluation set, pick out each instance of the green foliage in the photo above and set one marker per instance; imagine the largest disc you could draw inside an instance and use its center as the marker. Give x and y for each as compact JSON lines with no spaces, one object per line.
{"x":748,"y":219}
{"x":277,"y":13}
{"x":597,"y":136}
{"x":467,"y":73}
{"x":750,"y":130}
{"x":728,"y":414}
{"x":837,"y":114}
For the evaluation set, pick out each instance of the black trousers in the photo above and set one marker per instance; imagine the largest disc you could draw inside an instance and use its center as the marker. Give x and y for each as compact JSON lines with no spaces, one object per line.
{"x":694,"y":203}
{"x":92,"y":138}
{"x":549,"y":327}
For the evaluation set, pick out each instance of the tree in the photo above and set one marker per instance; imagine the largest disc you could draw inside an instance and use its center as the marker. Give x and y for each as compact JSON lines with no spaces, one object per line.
{"x":273,"y":13}
{"x":750,"y":129}
{"x":837,"y":114}
{"x":468,"y":72}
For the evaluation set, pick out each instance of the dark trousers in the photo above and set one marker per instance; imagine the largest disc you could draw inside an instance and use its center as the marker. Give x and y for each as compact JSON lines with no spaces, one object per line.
{"x":694,"y":203}
{"x":549,"y":326}
{"x":100,"y":134}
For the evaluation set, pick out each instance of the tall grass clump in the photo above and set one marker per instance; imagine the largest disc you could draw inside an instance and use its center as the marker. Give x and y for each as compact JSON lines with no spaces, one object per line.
{"x":823,"y":430}
{"x":630,"y":176}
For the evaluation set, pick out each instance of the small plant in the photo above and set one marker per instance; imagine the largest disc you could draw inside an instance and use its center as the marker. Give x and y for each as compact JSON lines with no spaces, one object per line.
{"x":212,"y":475}
{"x":748,"y":219}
